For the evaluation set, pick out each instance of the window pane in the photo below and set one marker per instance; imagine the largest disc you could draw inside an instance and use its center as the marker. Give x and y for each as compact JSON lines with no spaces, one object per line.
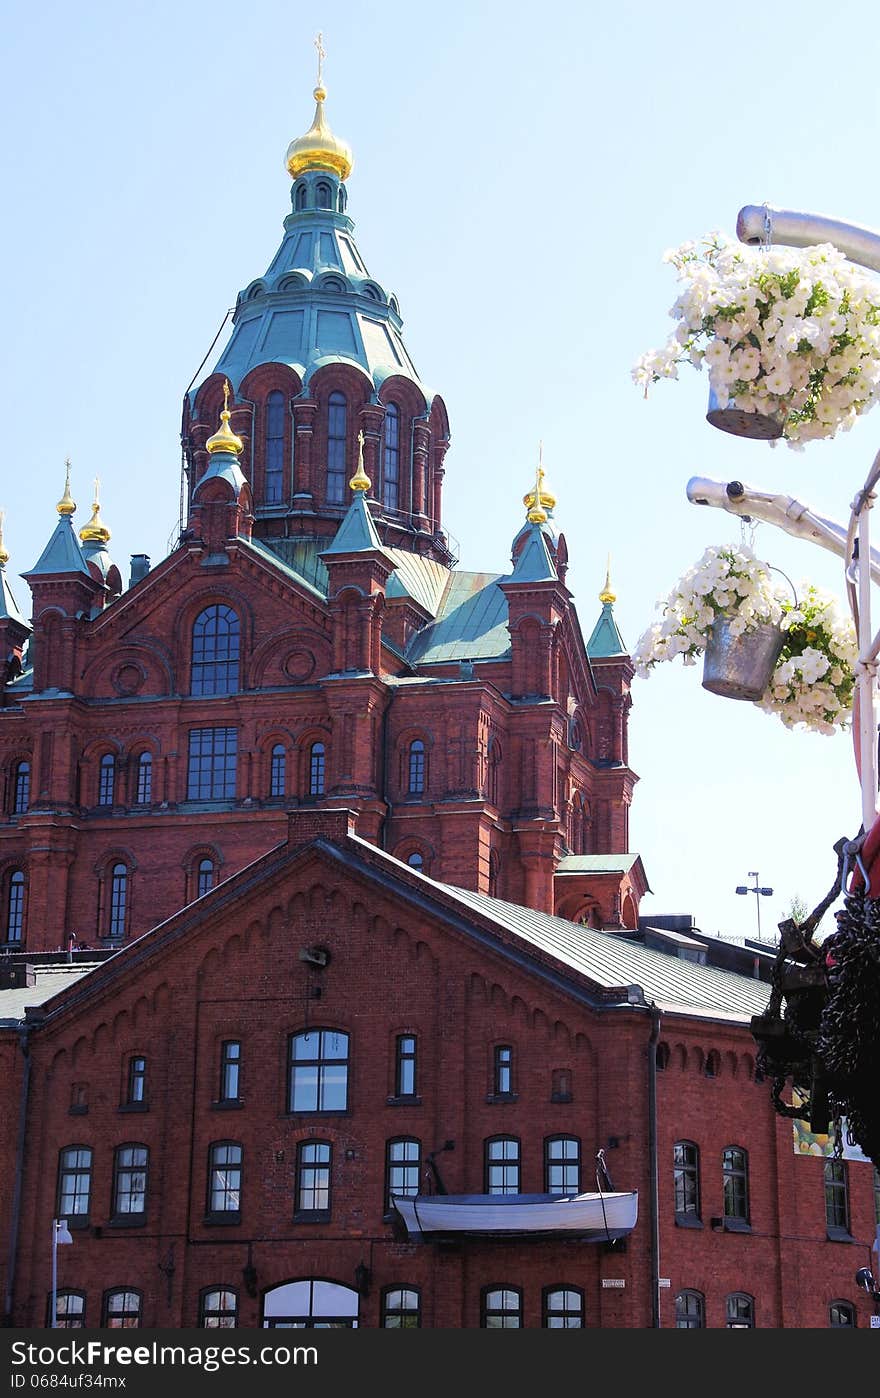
{"x":275,"y":416}
{"x":74,"y":1181}
{"x":563,"y":1309}
{"x":15,"y":907}
{"x":336,"y":448}
{"x":106,"y":780}
{"x":122,"y":1310}
{"x":219,"y":1309}
{"x":144,"y":779}
{"x":278,"y":771}
{"x":213,"y":754}
{"x":230,"y":1061}
{"x":22,"y":792}
{"x":316,"y":770}
{"x":215,"y":649}
{"x":391,"y":457}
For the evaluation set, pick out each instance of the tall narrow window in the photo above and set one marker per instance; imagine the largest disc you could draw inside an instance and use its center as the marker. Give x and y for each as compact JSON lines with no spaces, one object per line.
{"x":562,"y":1165}
{"x":106,"y":779}
{"x":501,"y":1309}
{"x":313,"y":1160}
{"x":686,"y":1181}
{"x":391,"y":457}
{"x":275,"y":413}
{"x":278,"y":771}
{"x":230,"y":1070}
{"x":224,"y":1180}
{"x":122,"y":1310}
{"x":300,"y":197}
{"x":337,"y":430}
{"x":563,"y":1309}
{"x":136,"y":1092}
{"x":316,"y":769}
{"x":15,"y":907}
{"x":502,"y":1070}
{"x":74,"y":1183}
{"x":689,"y":1311}
{"x":215,"y":650}
{"x":130,"y":1166}
{"x":144,"y":793}
{"x":416,"y":772}
{"x":205,"y":880}
{"x":401,"y":1308}
{"x":403,"y":1169}
{"x":323,"y":196}
{"x":213,"y":754}
{"x":118,"y":900}
{"x":218,"y":1309}
{"x":740,"y":1310}
{"x":735,"y":1175}
{"x":405,"y":1075}
{"x":21,"y":788}
{"x":318,"y":1071}
{"x":836,"y":1198}
{"x":502,"y":1165}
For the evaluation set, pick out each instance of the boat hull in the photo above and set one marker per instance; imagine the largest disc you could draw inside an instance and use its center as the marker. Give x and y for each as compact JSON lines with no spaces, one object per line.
{"x":590,"y":1216}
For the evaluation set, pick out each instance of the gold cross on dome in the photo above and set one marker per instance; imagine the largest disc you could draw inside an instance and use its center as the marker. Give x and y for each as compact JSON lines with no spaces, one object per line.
{"x":319,"y":45}
{"x":225,"y":395}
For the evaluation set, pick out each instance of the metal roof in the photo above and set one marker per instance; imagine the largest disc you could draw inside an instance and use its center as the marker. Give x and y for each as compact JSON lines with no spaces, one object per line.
{"x":51,"y":979}
{"x":596,"y":863}
{"x":471,"y":626}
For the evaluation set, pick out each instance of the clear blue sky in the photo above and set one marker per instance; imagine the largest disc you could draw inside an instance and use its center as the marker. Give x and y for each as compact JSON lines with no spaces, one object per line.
{"x":519,"y":172}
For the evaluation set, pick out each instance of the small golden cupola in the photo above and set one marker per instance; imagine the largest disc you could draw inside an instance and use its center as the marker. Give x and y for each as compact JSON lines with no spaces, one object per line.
{"x":96,"y":531}
{"x":66,"y":505}
{"x":319,"y":149}
{"x":606,"y":595}
{"x":224,"y":439}
{"x":360,"y":480}
{"x":540,"y":497}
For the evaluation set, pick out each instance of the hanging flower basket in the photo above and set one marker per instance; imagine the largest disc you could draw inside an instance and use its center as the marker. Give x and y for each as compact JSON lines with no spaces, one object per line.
{"x":790,"y":337}
{"x":740,"y":666}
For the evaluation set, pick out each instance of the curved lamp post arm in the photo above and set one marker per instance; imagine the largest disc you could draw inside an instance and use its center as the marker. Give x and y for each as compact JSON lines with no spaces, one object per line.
{"x":759,"y":223}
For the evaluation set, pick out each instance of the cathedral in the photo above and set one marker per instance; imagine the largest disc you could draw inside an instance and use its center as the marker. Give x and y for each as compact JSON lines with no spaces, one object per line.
{"x":325,"y":999}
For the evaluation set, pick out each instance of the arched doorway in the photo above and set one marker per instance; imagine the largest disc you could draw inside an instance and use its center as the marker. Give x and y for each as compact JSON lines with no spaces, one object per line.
{"x":313,"y":1304}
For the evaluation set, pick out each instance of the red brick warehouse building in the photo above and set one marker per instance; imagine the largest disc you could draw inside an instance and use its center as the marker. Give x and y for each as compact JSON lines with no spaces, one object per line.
{"x":316,"y":888}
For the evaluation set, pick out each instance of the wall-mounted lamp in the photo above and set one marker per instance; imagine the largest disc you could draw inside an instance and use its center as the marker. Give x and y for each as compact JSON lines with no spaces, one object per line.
{"x":362,"y":1279}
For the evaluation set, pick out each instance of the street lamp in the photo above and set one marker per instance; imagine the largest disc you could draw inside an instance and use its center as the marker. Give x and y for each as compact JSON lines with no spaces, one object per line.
{"x":759,"y":892}
{"x":60,"y":1234}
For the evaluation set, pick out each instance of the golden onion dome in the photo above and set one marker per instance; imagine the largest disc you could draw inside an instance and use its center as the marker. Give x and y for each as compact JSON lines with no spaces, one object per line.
{"x":319,"y":149}
{"x":360,"y":480}
{"x":540,"y":493}
{"x":224,"y":439}
{"x":96,"y":530}
{"x":606,"y":595}
{"x":66,"y":505}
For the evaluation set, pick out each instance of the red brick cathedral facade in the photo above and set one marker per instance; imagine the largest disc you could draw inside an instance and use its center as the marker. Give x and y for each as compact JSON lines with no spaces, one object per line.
{"x":316,"y":892}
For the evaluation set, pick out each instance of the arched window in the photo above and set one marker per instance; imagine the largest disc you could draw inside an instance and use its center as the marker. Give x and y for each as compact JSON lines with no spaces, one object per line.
{"x":106,"y":779}
{"x":341,"y":199}
{"x":840,"y":1314}
{"x":415,"y":860}
{"x":15,"y":907}
{"x":311,"y":1305}
{"x":563,"y":1308}
{"x":740,"y":1310}
{"x":215,"y":641}
{"x":686,"y":1180}
{"x":337,"y":434}
{"x":118,"y":900}
{"x":300,"y":201}
{"x":316,"y":769}
{"x":662,"y":1057}
{"x":218,"y":1309}
{"x":735,"y":1176}
{"x":493,"y":759}
{"x":323,"y":196}
{"x":278,"y":771}
{"x":74,"y":1184}
{"x":401,"y":1308}
{"x":403,"y":1169}
{"x":205,"y":880}
{"x":502,"y":1165}
{"x":122,"y":1310}
{"x":21,"y":788}
{"x":275,"y":413}
{"x":416,"y":768}
{"x":224,"y":1180}
{"x":70,"y":1310}
{"x":318,"y":1071}
{"x":501,"y":1308}
{"x":391,"y":457}
{"x":144,"y":792}
{"x":689,"y":1311}
{"x":562,"y":1165}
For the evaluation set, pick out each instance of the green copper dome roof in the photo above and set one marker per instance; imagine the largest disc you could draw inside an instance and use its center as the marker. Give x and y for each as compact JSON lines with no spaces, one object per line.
{"x":317,"y":303}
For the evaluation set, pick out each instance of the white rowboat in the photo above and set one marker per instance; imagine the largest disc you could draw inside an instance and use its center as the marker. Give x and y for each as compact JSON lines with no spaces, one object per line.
{"x":591,"y":1216}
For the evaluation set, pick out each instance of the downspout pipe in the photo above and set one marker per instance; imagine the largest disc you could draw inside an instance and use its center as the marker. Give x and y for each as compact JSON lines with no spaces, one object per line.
{"x":15,"y":1218}
{"x":653,"y":1167}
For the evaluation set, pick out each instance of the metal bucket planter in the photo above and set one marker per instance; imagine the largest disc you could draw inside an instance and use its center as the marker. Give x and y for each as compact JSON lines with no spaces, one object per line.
{"x":740,"y":667}
{"x":743,"y":424}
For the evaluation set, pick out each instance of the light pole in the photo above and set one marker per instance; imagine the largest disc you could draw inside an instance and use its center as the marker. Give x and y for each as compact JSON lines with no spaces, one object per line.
{"x":60,"y":1234}
{"x":758,"y":892}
